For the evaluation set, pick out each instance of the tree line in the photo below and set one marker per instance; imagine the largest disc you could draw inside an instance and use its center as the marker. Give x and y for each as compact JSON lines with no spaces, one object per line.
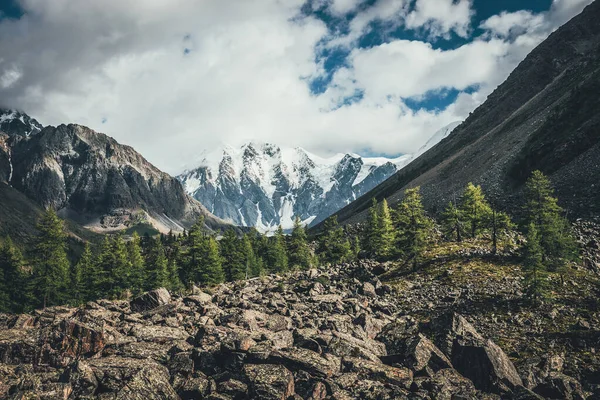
{"x":119,"y":266}
{"x":407,"y":231}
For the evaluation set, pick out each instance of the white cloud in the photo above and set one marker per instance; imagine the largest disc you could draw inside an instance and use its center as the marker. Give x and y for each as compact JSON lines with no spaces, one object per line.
{"x":9,"y":77}
{"x":341,"y":7}
{"x":440,"y":17}
{"x":245,"y":75}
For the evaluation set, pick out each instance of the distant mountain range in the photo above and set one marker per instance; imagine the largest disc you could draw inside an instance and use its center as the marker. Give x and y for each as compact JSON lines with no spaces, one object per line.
{"x":545,"y":116}
{"x":88,"y":177}
{"x":264,"y":186}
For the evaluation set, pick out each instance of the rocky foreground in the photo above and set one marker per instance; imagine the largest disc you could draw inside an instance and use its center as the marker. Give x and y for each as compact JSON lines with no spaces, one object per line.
{"x":337,"y":333}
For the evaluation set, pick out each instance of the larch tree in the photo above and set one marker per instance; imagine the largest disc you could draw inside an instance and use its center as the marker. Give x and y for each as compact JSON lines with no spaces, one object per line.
{"x":298,"y":250}
{"x":276,"y":254}
{"x":554,"y":231}
{"x":51,"y":265}
{"x":334,"y":246}
{"x":385,"y":247}
{"x":453,"y":222}
{"x":232,"y":254}
{"x":157,"y":266}
{"x":475,"y":209}
{"x":12,"y":278}
{"x":535,"y":272}
{"x":414,"y":227}
{"x":372,"y":237}
{"x":137,"y":264}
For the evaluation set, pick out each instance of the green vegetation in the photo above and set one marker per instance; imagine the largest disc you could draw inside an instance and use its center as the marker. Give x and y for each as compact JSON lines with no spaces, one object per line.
{"x":122,"y":265}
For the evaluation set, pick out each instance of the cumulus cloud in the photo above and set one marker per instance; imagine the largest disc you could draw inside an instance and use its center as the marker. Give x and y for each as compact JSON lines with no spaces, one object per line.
{"x":172,"y":78}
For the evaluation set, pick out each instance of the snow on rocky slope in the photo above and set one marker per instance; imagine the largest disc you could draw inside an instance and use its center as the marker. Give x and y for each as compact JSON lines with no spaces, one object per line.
{"x":264,"y":186}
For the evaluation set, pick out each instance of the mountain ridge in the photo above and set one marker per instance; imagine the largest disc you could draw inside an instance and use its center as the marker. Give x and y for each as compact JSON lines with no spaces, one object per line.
{"x":264,"y":185}
{"x":90,"y":178}
{"x":544,"y":116}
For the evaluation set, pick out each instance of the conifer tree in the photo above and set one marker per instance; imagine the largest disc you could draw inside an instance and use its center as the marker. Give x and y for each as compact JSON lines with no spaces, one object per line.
{"x":500,"y":223}
{"x":12,"y":279}
{"x":202,"y":262}
{"x":211,"y":272}
{"x":535,"y":274}
{"x":414,"y":226}
{"x":175,"y":283}
{"x":276,"y":255}
{"x":542,"y":209}
{"x":334,"y":246}
{"x":452,"y":222}
{"x":101,"y":276}
{"x":121,"y":267}
{"x":385,"y":232}
{"x":157,"y":266}
{"x":232,"y":254}
{"x":82,"y":276}
{"x":475,"y":209}
{"x":254,"y":266}
{"x":51,"y":265}
{"x":137,"y":264}
{"x":298,"y":250}
{"x":372,"y":235}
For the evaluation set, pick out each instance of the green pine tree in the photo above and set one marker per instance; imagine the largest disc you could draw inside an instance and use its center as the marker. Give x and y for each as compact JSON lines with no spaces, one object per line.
{"x":414,"y":227}
{"x":298,"y":250}
{"x":175,"y":284}
{"x":232,"y":254}
{"x":121,"y":268}
{"x":385,"y":232}
{"x":254,"y":263}
{"x":453,"y":222}
{"x":82,"y":276}
{"x":12,"y":278}
{"x":554,"y":231}
{"x":102,"y":274}
{"x":500,"y":224}
{"x":157,"y":266}
{"x":535,"y":273}
{"x":211,"y":272}
{"x":276,"y":254}
{"x":201,"y":262}
{"x":136,"y":263}
{"x":334,"y":246}
{"x":475,"y":209}
{"x":51,"y":265}
{"x":372,"y":237}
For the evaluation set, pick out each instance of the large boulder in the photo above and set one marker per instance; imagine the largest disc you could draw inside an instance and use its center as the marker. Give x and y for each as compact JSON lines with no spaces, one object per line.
{"x":306,"y":360}
{"x":269,"y":382}
{"x":123,"y":378}
{"x":378,"y":372}
{"x":484,"y":362}
{"x":150,"y":300}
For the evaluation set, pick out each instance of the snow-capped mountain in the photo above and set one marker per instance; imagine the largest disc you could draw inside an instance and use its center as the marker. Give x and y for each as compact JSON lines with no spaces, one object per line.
{"x":18,"y":123}
{"x":263,"y":185}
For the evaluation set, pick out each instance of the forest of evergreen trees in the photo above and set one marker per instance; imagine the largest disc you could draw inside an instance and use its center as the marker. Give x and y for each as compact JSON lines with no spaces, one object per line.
{"x":120,"y":267}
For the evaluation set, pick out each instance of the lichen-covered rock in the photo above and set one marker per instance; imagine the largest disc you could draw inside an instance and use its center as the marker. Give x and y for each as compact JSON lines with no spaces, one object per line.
{"x":150,"y":300}
{"x":269,"y":381}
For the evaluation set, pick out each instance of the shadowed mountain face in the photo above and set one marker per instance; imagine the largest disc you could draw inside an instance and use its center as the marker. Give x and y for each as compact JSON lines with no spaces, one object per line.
{"x":89,"y":177}
{"x":545,"y":116}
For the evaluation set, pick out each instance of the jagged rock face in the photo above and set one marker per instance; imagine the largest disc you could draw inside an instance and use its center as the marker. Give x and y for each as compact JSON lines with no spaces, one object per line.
{"x":18,"y":124}
{"x":262,"y":185}
{"x":545,"y":116}
{"x":91,"y":178}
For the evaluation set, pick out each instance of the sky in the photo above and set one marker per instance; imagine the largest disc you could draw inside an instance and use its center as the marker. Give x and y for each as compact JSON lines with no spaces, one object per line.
{"x":175,"y":77}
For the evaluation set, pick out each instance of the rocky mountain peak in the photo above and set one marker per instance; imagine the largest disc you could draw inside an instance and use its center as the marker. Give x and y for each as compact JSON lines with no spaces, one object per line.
{"x":264,"y":185}
{"x":17,"y":123}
